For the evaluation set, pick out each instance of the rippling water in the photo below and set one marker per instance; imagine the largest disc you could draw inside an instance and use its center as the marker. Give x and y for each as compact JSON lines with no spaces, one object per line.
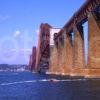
{"x":29,"y":86}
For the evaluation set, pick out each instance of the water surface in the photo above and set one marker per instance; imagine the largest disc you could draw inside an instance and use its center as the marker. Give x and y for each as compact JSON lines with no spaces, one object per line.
{"x":29,"y":86}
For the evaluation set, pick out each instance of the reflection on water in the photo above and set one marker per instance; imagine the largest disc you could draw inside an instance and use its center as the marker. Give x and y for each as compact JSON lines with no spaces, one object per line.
{"x":28,"y":86}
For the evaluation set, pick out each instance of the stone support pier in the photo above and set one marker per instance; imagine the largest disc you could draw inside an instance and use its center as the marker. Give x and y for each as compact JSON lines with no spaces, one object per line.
{"x":69,"y":55}
{"x":59,"y":56}
{"x":93,"y":66}
{"x":78,"y":51}
{"x":53,"y":60}
{"x":66,"y":65}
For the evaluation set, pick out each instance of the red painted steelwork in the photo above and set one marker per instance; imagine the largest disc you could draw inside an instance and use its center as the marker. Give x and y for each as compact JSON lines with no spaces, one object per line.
{"x":43,"y":47}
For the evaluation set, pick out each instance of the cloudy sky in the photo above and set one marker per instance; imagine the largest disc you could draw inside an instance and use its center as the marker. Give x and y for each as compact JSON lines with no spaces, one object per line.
{"x":20,"y":20}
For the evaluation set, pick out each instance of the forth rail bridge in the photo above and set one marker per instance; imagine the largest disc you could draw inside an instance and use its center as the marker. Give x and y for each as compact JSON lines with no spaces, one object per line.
{"x":71,"y":73}
{"x":61,"y":51}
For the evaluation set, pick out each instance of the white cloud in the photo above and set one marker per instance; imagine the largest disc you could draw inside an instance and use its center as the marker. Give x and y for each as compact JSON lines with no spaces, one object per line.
{"x":37,"y":31}
{"x":21,"y":51}
{"x":26,"y":50}
{"x":17,"y":33}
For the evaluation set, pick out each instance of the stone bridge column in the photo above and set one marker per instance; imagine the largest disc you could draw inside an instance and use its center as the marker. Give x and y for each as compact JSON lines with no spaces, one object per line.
{"x":56,"y":58}
{"x":93,"y":65}
{"x":79,"y":60}
{"x":53,"y":59}
{"x":65,"y":67}
{"x":59,"y":56}
{"x":68,"y":55}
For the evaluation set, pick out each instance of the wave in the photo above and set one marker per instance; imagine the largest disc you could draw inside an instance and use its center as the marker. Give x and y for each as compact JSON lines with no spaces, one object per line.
{"x":43,"y":80}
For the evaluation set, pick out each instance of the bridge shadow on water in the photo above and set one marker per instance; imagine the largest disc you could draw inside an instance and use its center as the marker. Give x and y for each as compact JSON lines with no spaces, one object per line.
{"x":29,"y":86}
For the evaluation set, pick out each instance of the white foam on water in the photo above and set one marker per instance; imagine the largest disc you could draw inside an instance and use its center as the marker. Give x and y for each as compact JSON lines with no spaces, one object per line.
{"x":43,"y":80}
{"x":73,"y":80}
{"x":20,"y":82}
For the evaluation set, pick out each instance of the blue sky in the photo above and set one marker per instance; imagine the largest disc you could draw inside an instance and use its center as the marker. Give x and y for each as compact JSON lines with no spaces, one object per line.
{"x":20,"y":20}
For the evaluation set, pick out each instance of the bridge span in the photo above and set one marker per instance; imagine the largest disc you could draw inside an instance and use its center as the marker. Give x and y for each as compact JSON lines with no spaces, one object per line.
{"x":67,"y":56}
